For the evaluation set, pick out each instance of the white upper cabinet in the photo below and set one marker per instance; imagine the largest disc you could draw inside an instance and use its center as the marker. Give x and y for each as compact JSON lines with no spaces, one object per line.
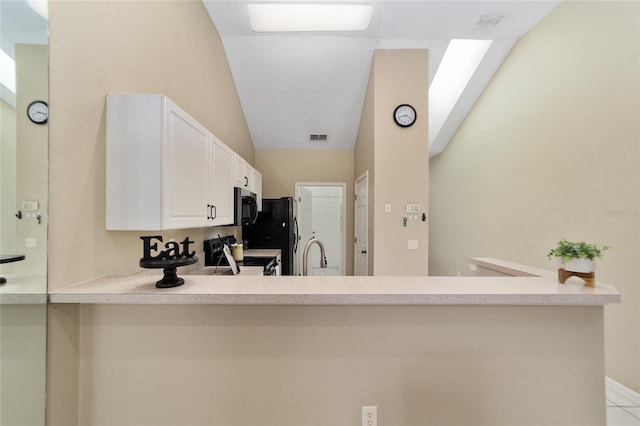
{"x":186,"y":164}
{"x":246,"y":177}
{"x":162,"y":167}
{"x":257,"y":187}
{"x":243,"y":173}
{"x":222,"y":183}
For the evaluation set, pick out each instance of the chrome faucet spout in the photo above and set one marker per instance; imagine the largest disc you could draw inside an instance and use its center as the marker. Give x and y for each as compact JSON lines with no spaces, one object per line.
{"x":305,"y":255}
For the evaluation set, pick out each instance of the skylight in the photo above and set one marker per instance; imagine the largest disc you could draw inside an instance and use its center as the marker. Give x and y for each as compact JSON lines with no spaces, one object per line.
{"x":7,"y":71}
{"x":275,"y":17}
{"x":458,"y":65}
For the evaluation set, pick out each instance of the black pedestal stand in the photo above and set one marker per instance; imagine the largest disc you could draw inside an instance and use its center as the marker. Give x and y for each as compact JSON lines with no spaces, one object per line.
{"x":171,"y":278}
{"x":8,"y":258}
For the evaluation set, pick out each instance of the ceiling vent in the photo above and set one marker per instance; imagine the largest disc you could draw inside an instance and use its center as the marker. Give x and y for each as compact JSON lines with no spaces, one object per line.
{"x":489,"y":21}
{"x":318,"y":137}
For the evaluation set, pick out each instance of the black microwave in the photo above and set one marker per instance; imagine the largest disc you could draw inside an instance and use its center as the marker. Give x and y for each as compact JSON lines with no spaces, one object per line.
{"x":245,"y":207}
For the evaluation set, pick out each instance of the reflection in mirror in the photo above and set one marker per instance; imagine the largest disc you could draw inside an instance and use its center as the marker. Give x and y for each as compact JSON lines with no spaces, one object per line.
{"x":321,"y":213}
{"x":23,"y":211}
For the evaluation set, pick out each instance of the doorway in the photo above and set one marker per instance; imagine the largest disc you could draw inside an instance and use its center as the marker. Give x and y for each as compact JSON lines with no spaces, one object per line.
{"x":361,"y":226}
{"x":321,"y":213}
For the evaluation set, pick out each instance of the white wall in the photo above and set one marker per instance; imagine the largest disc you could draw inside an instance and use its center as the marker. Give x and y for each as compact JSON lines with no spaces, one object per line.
{"x":551,"y":150}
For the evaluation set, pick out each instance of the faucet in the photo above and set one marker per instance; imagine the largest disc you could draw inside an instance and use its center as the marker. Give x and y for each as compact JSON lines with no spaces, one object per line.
{"x":323,"y":257}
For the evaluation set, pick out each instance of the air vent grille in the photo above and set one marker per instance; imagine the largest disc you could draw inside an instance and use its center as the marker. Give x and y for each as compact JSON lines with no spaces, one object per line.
{"x":489,"y":21}
{"x":318,"y":137}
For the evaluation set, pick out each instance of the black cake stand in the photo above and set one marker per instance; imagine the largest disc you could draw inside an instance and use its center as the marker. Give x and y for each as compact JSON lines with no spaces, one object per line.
{"x":171,"y":278}
{"x":8,"y":258}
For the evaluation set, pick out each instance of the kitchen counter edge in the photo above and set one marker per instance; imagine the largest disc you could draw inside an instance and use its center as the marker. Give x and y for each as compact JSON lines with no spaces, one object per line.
{"x":376,"y":290}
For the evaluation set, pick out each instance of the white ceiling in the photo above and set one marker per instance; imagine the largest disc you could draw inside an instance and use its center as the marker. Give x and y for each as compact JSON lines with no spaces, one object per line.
{"x":295,"y":84}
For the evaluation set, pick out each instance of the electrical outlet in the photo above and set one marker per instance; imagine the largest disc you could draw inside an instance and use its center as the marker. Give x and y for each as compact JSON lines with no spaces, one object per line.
{"x":370,"y":415}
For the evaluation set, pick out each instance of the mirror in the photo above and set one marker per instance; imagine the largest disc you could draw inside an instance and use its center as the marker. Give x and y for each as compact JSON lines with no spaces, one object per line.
{"x":23,"y":211}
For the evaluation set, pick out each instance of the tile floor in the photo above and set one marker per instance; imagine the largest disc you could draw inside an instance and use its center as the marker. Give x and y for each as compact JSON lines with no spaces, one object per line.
{"x":623,"y":406}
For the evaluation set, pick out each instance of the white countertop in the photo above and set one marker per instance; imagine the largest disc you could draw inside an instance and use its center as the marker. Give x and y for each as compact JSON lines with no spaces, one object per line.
{"x":511,"y":268}
{"x":23,"y":289}
{"x":296,"y":290}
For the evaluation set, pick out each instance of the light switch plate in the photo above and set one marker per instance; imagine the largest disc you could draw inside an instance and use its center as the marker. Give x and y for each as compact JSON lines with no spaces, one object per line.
{"x":387,"y":207}
{"x":413,"y":208}
{"x":29,"y":205}
{"x":412,"y":244}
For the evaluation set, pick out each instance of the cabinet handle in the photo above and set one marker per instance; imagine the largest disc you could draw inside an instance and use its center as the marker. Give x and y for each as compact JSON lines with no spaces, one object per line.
{"x":246,"y":181}
{"x":208,"y":211}
{"x":214,"y":211}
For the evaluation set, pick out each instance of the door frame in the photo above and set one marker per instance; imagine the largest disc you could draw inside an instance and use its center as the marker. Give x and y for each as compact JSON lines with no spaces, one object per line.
{"x":364,"y":175}
{"x":343,"y":219}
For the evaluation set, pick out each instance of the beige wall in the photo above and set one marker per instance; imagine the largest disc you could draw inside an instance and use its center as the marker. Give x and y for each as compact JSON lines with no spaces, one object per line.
{"x":364,"y":161}
{"x":24,"y":164}
{"x":7,"y":181}
{"x":282,"y":169}
{"x":551,"y":150}
{"x":32,"y":156}
{"x":100,"y":47}
{"x":400,"y":158}
{"x":318,"y":365}
{"x":22,"y":370}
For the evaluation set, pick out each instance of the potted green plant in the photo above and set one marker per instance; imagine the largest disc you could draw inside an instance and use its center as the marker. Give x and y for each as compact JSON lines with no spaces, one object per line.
{"x":577,"y":256}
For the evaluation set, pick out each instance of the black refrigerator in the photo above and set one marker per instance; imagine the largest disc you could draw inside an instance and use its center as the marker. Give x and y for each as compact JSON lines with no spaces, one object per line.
{"x":275,"y":228}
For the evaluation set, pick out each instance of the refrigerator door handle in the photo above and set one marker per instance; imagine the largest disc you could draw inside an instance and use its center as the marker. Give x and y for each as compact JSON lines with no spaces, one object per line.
{"x":295,"y":235}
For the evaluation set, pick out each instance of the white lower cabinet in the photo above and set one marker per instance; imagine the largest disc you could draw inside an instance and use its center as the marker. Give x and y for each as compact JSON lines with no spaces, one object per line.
{"x":162,"y":167}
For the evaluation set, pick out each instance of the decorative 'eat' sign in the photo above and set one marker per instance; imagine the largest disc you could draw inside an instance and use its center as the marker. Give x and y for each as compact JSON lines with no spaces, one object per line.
{"x":173,"y":249}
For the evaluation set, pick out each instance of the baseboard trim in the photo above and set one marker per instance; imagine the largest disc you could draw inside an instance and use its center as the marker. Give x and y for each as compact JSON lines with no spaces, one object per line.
{"x":621,"y":395}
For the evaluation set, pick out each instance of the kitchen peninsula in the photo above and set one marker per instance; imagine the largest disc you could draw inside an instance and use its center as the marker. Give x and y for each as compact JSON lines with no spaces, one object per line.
{"x":517,"y":349}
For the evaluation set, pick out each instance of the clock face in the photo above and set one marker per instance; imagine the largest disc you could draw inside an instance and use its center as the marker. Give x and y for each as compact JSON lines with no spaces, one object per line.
{"x":38,"y":112}
{"x":404,"y":115}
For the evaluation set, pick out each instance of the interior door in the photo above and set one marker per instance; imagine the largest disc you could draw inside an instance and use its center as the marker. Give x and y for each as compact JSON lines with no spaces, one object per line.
{"x":304,"y":217}
{"x":361,"y":247}
{"x":327,"y":227}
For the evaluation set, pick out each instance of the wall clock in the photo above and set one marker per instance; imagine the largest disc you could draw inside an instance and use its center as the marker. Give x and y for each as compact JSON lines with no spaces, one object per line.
{"x":38,"y":112}
{"x":405,"y":115}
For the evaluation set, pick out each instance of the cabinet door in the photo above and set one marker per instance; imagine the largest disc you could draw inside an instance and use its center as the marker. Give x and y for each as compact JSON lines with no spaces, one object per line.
{"x":242,"y":174}
{"x":257,"y":187}
{"x":186,"y":160}
{"x":248,"y":177}
{"x":222,"y":183}
{"x":239,"y":176}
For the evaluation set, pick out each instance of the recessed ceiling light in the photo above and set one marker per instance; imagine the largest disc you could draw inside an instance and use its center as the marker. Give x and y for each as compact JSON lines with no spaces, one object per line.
{"x":274,"y":17}
{"x":460,"y":61}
